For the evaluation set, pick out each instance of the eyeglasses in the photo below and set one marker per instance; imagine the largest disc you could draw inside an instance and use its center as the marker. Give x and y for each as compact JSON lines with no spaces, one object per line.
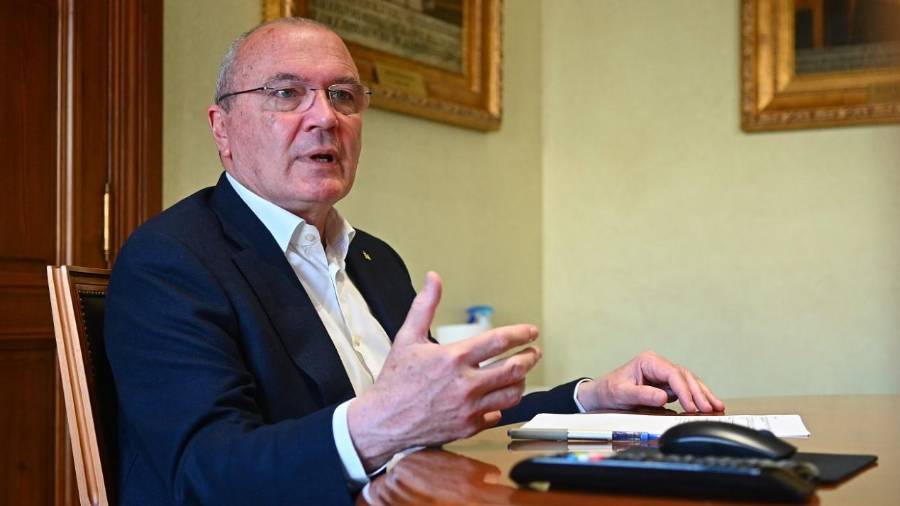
{"x":284,"y":96}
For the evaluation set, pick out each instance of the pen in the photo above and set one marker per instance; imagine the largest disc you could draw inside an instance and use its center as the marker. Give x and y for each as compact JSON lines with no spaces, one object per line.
{"x":588,"y":435}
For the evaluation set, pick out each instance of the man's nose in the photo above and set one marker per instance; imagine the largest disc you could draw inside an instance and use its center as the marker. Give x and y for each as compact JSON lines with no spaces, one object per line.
{"x":321,"y":113}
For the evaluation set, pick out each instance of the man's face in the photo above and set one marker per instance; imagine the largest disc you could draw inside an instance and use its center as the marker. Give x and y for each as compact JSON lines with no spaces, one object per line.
{"x":303,"y":161}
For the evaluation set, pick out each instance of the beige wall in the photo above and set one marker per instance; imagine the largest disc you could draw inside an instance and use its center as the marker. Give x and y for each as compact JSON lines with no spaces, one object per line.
{"x":768,"y":262}
{"x":196,"y":34}
{"x":464,"y":203}
{"x":620,"y":204}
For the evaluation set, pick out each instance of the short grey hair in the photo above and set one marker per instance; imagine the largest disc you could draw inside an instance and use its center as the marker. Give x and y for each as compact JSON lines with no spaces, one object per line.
{"x":225,"y":79}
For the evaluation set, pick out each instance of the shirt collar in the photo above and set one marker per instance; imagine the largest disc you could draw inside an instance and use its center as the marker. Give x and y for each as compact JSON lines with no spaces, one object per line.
{"x":286,"y":226}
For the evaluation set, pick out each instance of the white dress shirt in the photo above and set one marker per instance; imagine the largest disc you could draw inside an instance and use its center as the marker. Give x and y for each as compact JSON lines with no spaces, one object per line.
{"x":358,"y":337}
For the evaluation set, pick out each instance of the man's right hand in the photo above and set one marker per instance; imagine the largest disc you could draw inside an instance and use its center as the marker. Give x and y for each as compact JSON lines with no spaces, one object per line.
{"x":428,"y":394}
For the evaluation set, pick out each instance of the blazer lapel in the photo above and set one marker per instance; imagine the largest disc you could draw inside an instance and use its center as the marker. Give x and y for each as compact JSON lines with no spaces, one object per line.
{"x":282,"y":296}
{"x":370,"y":278}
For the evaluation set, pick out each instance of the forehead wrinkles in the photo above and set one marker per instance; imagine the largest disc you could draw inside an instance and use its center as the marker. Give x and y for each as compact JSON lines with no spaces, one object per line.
{"x":254,"y":52}
{"x":290,"y":49}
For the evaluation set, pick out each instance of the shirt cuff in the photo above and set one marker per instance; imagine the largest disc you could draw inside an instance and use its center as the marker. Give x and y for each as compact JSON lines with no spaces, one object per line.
{"x":353,"y":467}
{"x":575,"y":395}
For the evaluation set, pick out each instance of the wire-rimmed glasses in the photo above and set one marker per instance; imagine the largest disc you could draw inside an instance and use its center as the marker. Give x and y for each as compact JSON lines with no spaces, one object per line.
{"x":283,"y":96}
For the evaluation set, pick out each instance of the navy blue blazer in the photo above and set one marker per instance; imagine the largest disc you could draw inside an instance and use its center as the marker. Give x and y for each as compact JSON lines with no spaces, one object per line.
{"x":225,"y":375}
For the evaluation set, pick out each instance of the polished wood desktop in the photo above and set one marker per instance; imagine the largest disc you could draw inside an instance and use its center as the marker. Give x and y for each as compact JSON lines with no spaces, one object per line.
{"x":476,"y":470}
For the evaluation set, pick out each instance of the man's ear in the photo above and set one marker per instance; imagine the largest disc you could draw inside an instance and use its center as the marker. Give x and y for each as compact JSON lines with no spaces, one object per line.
{"x":216,"y":116}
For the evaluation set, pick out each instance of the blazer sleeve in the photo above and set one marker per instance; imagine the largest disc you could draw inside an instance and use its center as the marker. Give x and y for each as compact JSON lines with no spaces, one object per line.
{"x":560,"y":399}
{"x":187,"y":396}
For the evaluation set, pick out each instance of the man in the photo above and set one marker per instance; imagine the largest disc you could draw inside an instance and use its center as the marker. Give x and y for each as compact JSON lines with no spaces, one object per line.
{"x":264,"y":351}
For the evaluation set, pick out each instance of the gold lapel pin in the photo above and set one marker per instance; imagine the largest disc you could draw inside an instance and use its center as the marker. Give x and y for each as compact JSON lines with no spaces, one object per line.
{"x":366,"y":255}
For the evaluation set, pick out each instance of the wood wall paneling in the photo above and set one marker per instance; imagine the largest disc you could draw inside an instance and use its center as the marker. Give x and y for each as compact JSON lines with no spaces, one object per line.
{"x":81,"y":105}
{"x":28,"y":241}
{"x":90,"y":153}
{"x":136,"y":87}
{"x":26,"y":428}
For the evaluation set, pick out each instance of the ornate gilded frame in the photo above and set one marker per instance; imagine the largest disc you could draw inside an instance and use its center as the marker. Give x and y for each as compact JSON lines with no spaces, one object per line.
{"x":470,"y":99}
{"x":774,"y":97}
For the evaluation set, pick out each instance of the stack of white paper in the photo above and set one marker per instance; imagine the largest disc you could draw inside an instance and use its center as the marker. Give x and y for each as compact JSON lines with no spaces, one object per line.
{"x":780,"y":425}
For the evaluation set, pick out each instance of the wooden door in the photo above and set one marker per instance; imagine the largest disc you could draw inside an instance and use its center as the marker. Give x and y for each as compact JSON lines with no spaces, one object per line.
{"x":80,"y":126}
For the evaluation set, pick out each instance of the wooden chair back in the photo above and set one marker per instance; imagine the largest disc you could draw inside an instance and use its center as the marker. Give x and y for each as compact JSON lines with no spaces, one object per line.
{"x":78,"y":301}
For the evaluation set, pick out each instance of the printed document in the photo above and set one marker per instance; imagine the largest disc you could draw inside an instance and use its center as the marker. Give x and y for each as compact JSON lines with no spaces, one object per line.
{"x":780,"y":425}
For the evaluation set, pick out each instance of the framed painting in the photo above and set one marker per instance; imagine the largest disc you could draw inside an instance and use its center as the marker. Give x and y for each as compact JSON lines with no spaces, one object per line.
{"x":436,"y":59}
{"x":816,"y":63}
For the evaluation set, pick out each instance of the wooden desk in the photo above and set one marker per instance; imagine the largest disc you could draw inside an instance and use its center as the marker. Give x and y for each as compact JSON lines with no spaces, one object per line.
{"x":476,"y":470}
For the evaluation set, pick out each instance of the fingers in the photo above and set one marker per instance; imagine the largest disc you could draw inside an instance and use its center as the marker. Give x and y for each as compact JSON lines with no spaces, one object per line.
{"x":679,"y":384}
{"x":495,"y":341}
{"x":421,"y":313}
{"x":509,"y":371}
{"x":502,"y":398}
{"x":646,"y":395}
{"x":693,"y":395}
{"x":501,"y":385}
{"x":697,"y":395}
{"x":491,"y":418}
{"x":717,"y":404}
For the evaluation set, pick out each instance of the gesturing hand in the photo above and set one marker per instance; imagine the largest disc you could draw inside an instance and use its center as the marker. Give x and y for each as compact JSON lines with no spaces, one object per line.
{"x":429,"y":394}
{"x":648,"y":380}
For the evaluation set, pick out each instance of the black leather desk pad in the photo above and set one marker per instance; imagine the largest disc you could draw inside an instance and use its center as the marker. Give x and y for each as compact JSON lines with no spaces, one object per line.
{"x":835,"y":467}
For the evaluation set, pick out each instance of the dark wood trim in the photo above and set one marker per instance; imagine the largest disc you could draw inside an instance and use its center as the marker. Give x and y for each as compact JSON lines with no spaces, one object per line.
{"x":63,"y":464}
{"x":135,"y":174}
{"x":42,"y":342}
{"x":64,"y":117}
{"x":110,"y":117}
{"x":84,"y":110}
{"x":88,"y":138}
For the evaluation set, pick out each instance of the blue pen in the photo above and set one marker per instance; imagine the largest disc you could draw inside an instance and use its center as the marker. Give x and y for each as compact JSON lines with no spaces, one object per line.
{"x":619,"y":435}
{"x":584,"y":435}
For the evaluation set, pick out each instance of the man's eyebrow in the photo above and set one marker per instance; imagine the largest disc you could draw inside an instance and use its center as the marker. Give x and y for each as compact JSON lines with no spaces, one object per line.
{"x":346,"y":80}
{"x":287,"y":76}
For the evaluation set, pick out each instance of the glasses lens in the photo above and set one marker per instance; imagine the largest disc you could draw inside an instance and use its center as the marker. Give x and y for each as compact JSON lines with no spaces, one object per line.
{"x":348,"y":98}
{"x":286,"y":97}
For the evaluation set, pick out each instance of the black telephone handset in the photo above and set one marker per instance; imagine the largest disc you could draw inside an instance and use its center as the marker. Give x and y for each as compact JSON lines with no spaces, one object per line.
{"x":695,"y":459}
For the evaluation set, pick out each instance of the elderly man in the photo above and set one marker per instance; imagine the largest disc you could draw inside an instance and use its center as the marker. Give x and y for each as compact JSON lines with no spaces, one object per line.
{"x":264,"y":351}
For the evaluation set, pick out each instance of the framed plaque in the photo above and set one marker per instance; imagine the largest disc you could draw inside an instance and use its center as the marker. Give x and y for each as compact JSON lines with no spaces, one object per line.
{"x":814,"y":63}
{"x":437,"y":59}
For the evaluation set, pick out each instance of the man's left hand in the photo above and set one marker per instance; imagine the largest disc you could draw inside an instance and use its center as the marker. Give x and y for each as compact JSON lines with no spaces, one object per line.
{"x":648,"y":380}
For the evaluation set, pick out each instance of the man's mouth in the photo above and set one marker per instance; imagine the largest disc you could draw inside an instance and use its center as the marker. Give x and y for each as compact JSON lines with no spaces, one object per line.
{"x":323,"y":157}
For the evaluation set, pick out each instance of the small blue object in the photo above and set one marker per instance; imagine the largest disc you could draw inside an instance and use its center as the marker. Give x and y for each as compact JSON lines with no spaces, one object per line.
{"x":478,"y":313}
{"x":633,"y":436}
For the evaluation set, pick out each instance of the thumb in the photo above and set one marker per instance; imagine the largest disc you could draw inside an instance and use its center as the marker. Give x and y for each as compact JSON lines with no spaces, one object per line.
{"x":421,"y":313}
{"x":645,"y":395}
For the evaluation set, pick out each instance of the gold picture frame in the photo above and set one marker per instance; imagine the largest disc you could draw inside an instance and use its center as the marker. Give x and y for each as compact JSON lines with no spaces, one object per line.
{"x":458,"y":85}
{"x":775,"y":96}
